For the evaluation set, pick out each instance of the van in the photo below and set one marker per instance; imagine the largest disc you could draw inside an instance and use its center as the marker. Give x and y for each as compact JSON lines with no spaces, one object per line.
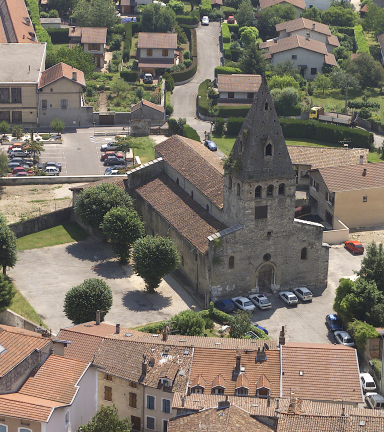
{"x":374,"y":400}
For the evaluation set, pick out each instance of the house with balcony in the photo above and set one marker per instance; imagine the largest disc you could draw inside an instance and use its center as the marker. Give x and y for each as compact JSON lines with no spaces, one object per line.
{"x":156,"y":51}
{"x":239,"y":89}
{"x":92,"y":39}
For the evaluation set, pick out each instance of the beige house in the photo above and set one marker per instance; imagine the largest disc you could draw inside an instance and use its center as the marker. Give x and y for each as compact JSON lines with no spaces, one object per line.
{"x":299,"y":5}
{"x":156,"y":51}
{"x":61,"y":96}
{"x":306,"y":53}
{"x":308,"y":28}
{"x":353,"y":194}
{"x":19,"y":82}
{"x":237,"y":88}
{"x":92,"y":39}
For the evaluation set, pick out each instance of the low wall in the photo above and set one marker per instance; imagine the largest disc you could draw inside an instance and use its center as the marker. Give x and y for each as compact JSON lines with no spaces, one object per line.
{"x":338,"y":235}
{"x":35,"y":180}
{"x":42,"y":222}
{"x":11,"y":318}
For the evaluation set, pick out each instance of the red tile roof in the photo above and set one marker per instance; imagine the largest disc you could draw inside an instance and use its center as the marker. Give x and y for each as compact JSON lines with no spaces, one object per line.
{"x":238,"y":83}
{"x":61,"y":70}
{"x":181,"y":211}
{"x":303,"y":23}
{"x":97,"y":35}
{"x":364,"y":8}
{"x":292,"y":42}
{"x":330,"y":59}
{"x":157,"y":40}
{"x":333,"y":40}
{"x":312,"y":371}
{"x":143,"y":102}
{"x":82,"y":347}
{"x":267,"y":3}
{"x":28,"y":408}
{"x":15,"y":17}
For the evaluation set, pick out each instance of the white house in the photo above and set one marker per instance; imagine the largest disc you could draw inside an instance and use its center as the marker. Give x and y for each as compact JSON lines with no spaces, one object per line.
{"x":237,"y":88}
{"x":92,"y":39}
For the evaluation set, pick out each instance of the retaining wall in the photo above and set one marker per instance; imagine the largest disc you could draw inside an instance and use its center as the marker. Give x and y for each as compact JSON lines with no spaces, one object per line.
{"x":35,"y":180}
{"x":13,"y":319}
{"x":338,"y":235}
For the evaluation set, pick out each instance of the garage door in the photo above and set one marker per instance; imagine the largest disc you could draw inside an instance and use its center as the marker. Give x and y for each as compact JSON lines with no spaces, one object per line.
{"x":106,"y":119}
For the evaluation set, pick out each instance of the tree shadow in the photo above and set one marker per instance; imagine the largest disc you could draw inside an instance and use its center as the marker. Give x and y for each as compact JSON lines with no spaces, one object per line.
{"x":90,"y":250}
{"x":139,"y":301}
{"x":110,"y":270}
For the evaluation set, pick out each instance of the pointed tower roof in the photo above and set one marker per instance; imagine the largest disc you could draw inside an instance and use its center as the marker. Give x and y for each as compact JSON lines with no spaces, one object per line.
{"x":260,"y":151}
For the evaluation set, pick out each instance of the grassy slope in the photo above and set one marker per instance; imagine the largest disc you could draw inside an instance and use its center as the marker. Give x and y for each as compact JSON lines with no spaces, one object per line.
{"x":21,"y":306}
{"x":147,"y":151}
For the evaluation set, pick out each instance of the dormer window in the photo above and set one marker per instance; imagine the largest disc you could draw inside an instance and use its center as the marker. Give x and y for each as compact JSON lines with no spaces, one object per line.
{"x":218,"y":390}
{"x":197,"y":390}
{"x":268,"y":150}
{"x":241,"y":391}
{"x":262,"y":392}
{"x":165,"y":383}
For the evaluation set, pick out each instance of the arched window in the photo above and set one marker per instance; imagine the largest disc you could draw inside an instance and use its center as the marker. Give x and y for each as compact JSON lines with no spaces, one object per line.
{"x":258,"y":192}
{"x":231,"y":262}
{"x":268,"y":150}
{"x":177,"y":180}
{"x":266,"y":106}
{"x":229,"y":182}
{"x":270,"y":191}
{"x":192,"y":194}
{"x":282,"y":189}
{"x":304,"y":253}
{"x":238,"y":188}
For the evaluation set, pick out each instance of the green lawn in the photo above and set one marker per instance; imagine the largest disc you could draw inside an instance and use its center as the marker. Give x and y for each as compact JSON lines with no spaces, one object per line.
{"x":56,"y":47}
{"x":21,"y":306}
{"x":66,"y":233}
{"x":146,"y":152}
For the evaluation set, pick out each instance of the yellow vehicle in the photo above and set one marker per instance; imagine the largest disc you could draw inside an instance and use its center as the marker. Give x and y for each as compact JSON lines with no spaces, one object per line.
{"x":330,"y":117}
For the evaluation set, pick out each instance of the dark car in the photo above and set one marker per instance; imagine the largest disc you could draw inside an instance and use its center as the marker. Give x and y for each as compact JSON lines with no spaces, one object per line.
{"x":225,"y":305}
{"x":261,"y":328}
{"x":211,"y":145}
{"x":21,"y":161}
{"x":333,"y":322}
{"x":113,"y":160}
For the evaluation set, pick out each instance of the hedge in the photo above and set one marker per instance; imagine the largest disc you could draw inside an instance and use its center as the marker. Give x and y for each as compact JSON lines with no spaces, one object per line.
{"x":361,"y":40}
{"x":187,"y":19}
{"x":226,"y":33}
{"x":129,"y":75}
{"x":189,"y":132}
{"x":154,"y":328}
{"x":58,"y":35}
{"x":205,"y":7}
{"x":41,"y":34}
{"x":191,"y":70}
{"x":228,"y":11}
{"x":363,"y":104}
{"x":234,"y":125}
{"x":349,"y":31}
{"x":292,"y":111}
{"x":330,"y":133}
{"x":127,"y":41}
{"x":226,"y":70}
{"x":228,"y":54}
{"x":233,"y":28}
{"x":236,"y":54}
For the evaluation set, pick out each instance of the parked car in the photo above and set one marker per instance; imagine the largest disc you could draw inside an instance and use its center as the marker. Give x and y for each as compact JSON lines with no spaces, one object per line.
{"x":18,"y":169}
{"x":12,"y":165}
{"x":52,"y":171}
{"x":211,"y":145}
{"x":22,"y":161}
{"x":109,"y":146}
{"x":261,"y":328}
{"x":260,"y":301}
{"x":15,"y":146}
{"x":303,"y":293}
{"x":19,"y":174}
{"x":231,"y":19}
{"x":18,"y":153}
{"x":205,"y":20}
{"x":367,"y":382}
{"x":225,"y":305}
{"x":112,"y":153}
{"x":354,"y":246}
{"x":344,"y":338}
{"x":113,"y":160}
{"x":148,"y":78}
{"x":115,"y":170}
{"x":289,"y":298}
{"x":42,"y":166}
{"x":374,"y":400}
{"x":332,"y":321}
{"x":243,"y":303}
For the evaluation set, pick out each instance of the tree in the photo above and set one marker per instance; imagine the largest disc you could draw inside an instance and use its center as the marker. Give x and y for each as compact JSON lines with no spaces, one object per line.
{"x":4,"y":127}
{"x":372,"y":266}
{"x":35,"y":147}
{"x":176,"y":6}
{"x":249,"y":35}
{"x":285,"y":100}
{"x":252,"y":61}
{"x":374,"y":19}
{"x":169,"y":81}
{"x":273,"y":15}
{"x":17,"y":131}
{"x":245,"y":16}
{"x":93,"y":203}
{"x":53,"y":13}
{"x":107,"y":419}
{"x":7,"y":292}
{"x":285,"y":68}
{"x":96,"y":13}
{"x":240,"y":324}
{"x":188,"y":323}
{"x":322,"y":82}
{"x":82,"y":301}
{"x":126,"y":143}
{"x":156,"y":18}
{"x":339,"y":16}
{"x":122,"y":226}
{"x":153,"y":258}
{"x":361,"y":332}
{"x":8,"y":246}
{"x":3,"y":164}
{"x":57,"y":125}
{"x":339,"y":79}
{"x":62,"y":6}
{"x":312,"y":13}
{"x":366,"y":70}
{"x":77,"y":58}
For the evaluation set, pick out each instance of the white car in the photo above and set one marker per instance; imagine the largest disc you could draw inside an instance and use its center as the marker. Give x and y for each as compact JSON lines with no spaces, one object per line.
{"x":367,"y":382}
{"x":243,"y":303}
{"x":205,"y":20}
{"x":260,"y":301}
{"x":303,"y":293}
{"x":52,"y":171}
{"x":289,"y":298}
{"x":344,"y":338}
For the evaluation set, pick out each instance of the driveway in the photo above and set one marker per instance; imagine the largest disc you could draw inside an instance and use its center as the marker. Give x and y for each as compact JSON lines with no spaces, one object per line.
{"x":184,"y":97}
{"x":45,"y":275}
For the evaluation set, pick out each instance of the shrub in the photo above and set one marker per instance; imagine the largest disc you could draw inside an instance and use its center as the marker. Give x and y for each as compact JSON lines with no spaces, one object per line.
{"x":220,"y":316}
{"x":236,"y":54}
{"x":53,"y":14}
{"x":153,"y":328}
{"x":44,"y":15}
{"x":176,"y":6}
{"x":226,"y":70}
{"x":228,"y":54}
{"x":234,"y":125}
{"x":184,"y":75}
{"x":205,"y":7}
{"x":169,"y":109}
{"x":233,"y":28}
{"x":215,"y":15}
{"x":226,"y":33}
{"x":46,"y":136}
{"x":187,"y":19}
{"x":129,"y":76}
{"x":186,"y":55}
{"x":361,"y":40}
{"x":189,"y":132}
{"x":361,"y":332}
{"x":172,"y":126}
{"x":349,"y":31}
{"x":365,"y":113}
{"x":188,"y":323}
{"x":219,"y":126}
{"x":115,"y":43}
{"x":187,"y":63}
{"x":364,"y":104}
{"x":228,"y":11}
{"x":236,"y":111}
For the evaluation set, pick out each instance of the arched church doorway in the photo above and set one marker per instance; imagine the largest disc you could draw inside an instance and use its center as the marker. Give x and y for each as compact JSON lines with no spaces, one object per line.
{"x":265,"y":277}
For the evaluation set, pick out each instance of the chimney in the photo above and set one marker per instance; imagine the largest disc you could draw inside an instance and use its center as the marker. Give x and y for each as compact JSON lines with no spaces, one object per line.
{"x":117,"y":328}
{"x":74,"y":76}
{"x":238,"y":361}
{"x":144,"y":367}
{"x":275,"y":40}
{"x":261,"y":355}
{"x":364,"y":172}
{"x":308,"y":38}
{"x":73,"y":29}
{"x":52,"y":351}
{"x":223,"y":404}
{"x":313,"y":26}
{"x":346,"y":146}
{"x":361,"y":159}
{"x":165,"y":333}
{"x":97,"y":317}
{"x":282,"y":336}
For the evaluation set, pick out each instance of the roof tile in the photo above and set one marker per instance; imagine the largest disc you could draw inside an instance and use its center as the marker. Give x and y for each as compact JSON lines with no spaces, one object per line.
{"x":61,"y":70}
{"x":267,"y":3}
{"x":238,"y":83}
{"x":157,"y":40}
{"x":303,"y":23}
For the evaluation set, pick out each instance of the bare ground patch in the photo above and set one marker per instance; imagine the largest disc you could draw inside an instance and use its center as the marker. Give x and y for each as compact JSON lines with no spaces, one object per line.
{"x":367,"y":236}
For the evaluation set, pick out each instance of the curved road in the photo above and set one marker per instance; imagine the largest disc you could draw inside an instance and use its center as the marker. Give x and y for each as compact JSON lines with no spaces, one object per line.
{"x":183,"y":98}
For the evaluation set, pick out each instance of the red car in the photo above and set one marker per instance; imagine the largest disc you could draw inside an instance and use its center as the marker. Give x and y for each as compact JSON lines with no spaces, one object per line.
{"x":112,"y":153}
{"x":354,"y":246}
{"x":231,"y":19}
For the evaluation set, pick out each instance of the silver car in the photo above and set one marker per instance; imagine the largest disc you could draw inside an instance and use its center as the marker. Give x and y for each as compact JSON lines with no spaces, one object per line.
{"x":344,"y":338}
{"x":289,"y":298}
{"x":260,"y":301}
{"x":303,"y":293}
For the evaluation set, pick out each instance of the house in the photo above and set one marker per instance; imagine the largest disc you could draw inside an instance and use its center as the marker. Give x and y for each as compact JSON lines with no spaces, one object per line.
{"x":305,"y":159}
{"x":318,"y":4}
{"x":61,"y":96}
{"x":353,"y":194}
{"x":306,"y":53}
{"x":216,"y":4}
{"x":15,"y":24}
{"x":128,"y":7}
{"x":50,"y":22}
{"x":237,"y":88}
{"x":92,"y":39}
{"x":19,"y":81}
{"x":156,"y":52}
{"x":380,"y":39}
{"x":299,"y":5}
{"x":308,"y":28}
{"x":148,"y":110}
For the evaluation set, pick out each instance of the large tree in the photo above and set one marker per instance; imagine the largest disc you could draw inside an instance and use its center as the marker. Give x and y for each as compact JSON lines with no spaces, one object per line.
{"x":77,"y":58}
{"x":156,"y":18}
{"x":96,"y":13}
{"x":107,"y":419}
{"x":240,"y":324}
{"x":82,"y":301}
{"x":273,"y":15}
{"x":8,"y":245}
{"x":245,"y":16}
{"x":252,"y":61}
{"x":35,"y":147}
{"x":339,"y":16}
{"x":153,"y":258}
{"x":372,"y":266}
{"x":93,"y":203}
{"x":367,"y":71}
{"x":122,"y":226}
{"x":62,"y":6}
{"x":312,"y":13}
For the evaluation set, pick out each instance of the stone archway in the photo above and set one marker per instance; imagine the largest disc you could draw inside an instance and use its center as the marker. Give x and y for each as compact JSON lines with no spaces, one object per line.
{"x":266,"y":277}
